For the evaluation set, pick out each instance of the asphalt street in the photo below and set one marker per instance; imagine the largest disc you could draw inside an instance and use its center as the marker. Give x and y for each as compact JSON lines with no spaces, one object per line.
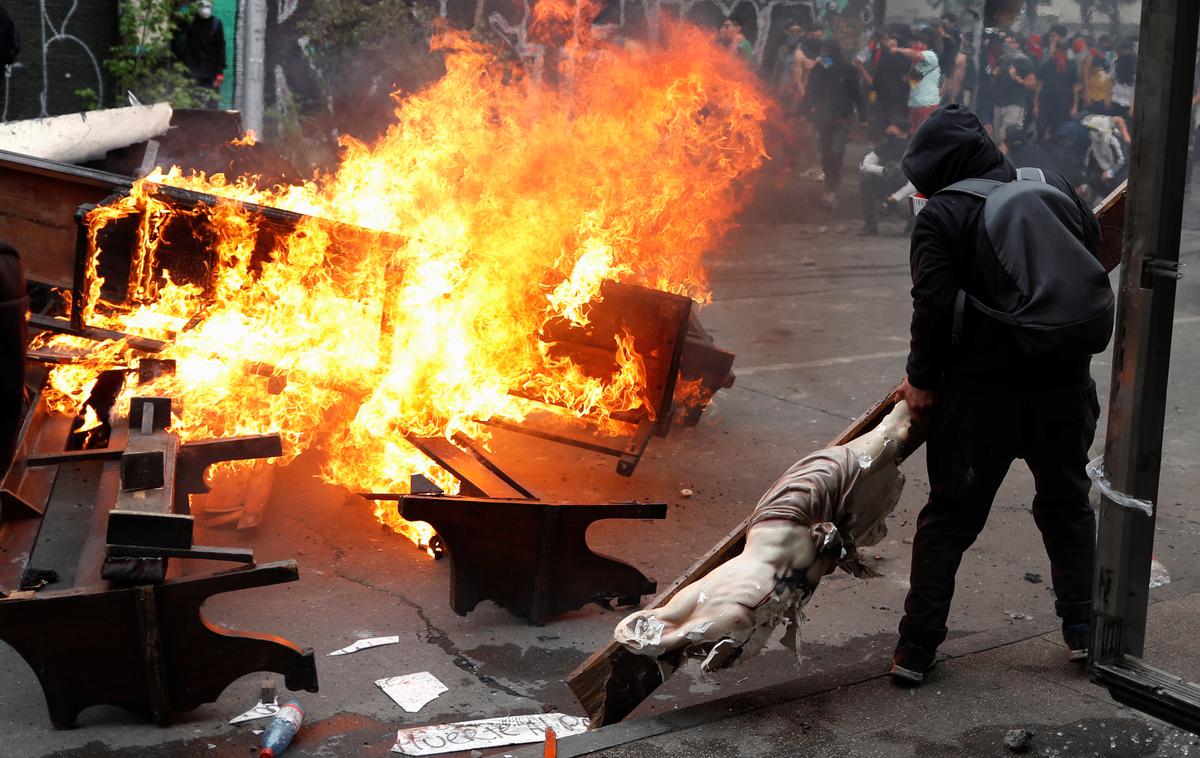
{"x":818,"y":317}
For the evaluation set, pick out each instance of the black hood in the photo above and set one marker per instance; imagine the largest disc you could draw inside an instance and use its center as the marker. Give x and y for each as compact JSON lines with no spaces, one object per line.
{"x":951,"y":146}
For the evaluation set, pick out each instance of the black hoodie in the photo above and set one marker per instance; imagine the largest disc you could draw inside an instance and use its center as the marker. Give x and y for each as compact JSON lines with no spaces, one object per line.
{"x":946,"y":255}
{"x":835,"y":93}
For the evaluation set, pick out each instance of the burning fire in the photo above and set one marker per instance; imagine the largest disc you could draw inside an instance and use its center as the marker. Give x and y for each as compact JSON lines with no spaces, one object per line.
{"x":503,"y":202}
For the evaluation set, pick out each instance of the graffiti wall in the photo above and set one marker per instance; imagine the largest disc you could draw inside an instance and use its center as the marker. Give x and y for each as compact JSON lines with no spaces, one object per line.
{"x":63,"y":45}
{"x":293,"y":75}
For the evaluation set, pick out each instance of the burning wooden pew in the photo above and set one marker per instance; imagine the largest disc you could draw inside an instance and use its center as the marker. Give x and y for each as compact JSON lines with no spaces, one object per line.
{"x":129,"y":632}
{"x":660,"y":327}
{"x":666,"y":334}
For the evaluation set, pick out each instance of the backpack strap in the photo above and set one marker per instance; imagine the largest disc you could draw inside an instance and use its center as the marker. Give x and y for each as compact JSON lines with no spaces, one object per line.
{"x":980,"y":188}
{"x":960,"y":307}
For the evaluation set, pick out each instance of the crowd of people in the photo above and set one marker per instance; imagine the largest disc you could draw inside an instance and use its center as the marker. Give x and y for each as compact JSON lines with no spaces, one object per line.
{"x":1057,"y":101}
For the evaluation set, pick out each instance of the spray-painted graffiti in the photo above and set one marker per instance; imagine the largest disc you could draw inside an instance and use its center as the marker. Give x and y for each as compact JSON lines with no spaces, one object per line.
{"x":764,"y":20}
{"x":59,"y":34}
{"x":353,"y":93}
{"x":62,"y":43}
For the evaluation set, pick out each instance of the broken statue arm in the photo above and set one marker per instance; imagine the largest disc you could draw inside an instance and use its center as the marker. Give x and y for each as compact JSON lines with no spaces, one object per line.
{"x":811,"y":520}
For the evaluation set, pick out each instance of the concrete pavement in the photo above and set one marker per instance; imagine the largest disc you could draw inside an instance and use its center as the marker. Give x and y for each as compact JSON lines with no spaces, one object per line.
{"x":818,"y":319}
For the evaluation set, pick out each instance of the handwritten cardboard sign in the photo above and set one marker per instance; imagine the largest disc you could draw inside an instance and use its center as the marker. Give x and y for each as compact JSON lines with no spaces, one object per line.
{"x":488,"y":733}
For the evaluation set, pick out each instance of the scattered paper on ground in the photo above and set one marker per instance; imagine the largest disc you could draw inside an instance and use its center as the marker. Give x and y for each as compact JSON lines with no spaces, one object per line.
{"x":260,"y":711}
{"x":364,"y":644}
{"x":488,"y":733}
{"x":1158,"y":573}
{"x":412,"y":691}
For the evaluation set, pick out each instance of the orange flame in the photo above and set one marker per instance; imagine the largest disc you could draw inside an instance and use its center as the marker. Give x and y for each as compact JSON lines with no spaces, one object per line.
{"x":505,"y":203}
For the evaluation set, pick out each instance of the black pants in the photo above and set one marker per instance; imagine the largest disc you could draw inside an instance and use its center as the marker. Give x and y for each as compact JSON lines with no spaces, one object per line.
{"x":885,"y":112}
{"x":832,"y":144}
{"x":876,"y":189}
{"x":975,"y":434}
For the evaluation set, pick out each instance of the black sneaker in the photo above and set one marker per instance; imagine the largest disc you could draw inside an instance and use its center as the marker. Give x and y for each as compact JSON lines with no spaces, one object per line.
{"x":1078,"y":637}
{"x":911,"y":662}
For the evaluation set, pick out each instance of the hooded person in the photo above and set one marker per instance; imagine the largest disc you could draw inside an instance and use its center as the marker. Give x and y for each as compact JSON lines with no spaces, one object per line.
{"x":1105,"y":165}
{"x":1023,"y":151}
{"x":985,"y":400}
{"x":879,"y":173}
{"x":201,"y":47}
{"x":833,"y":96}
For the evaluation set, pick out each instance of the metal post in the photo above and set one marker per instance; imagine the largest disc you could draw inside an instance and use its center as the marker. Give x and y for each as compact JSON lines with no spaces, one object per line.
{"x":1141,"y":361}
{"x":254,"y":61}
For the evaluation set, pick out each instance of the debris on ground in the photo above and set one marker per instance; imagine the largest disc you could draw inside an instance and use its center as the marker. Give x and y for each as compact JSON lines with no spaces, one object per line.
{"x":1018,"y":740}
{"x":412,"y":692}
{"x":260,"y":711}
{"x":1158,"y":573}
{"x":281,"y":730}
{"x":1032,"y":577}
{"x":367,"y":643}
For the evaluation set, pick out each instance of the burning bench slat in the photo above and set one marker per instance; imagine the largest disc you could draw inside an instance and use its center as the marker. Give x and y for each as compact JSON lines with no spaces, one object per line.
{"x":478,"y":475}
{"x":656,"y":321}
{"x":26,"y":492}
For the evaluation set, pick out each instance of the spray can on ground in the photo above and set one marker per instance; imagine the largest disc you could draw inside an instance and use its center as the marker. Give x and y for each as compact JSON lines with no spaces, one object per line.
{"x":281,"y":730}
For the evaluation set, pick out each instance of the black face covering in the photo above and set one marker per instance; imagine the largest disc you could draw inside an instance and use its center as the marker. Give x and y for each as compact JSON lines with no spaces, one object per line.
{"x":950,"y":146}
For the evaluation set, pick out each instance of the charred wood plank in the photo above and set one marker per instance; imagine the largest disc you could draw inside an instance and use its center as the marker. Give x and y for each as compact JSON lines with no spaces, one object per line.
{"x":96,"y":334}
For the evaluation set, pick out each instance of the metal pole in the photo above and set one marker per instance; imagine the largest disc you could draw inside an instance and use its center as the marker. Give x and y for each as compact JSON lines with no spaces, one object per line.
{"x":239,"y":57}
{"x":1145,"y":315}
{"x":256,"y":48}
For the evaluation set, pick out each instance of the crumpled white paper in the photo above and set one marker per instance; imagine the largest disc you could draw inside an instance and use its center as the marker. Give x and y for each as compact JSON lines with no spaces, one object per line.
{"x":364,"y":644}
{"x":412,"y":692}
{"x":260,"y":711}
{"x":488,"y":733}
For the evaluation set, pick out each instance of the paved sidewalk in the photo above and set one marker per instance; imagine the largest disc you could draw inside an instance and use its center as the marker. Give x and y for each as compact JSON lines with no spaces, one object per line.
{"x":971,"y":701}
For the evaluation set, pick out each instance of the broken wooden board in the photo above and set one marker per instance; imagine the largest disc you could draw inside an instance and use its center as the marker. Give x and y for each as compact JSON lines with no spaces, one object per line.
{"x":1111,"y":215}
{"x":612,"y":682}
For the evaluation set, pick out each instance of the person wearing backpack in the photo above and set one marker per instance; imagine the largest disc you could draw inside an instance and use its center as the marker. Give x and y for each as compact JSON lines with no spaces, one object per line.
{"x":1009,"y":304}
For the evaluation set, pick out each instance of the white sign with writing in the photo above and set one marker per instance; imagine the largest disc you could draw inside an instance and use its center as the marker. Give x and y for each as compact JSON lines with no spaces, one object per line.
{"x":488,"y":733}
